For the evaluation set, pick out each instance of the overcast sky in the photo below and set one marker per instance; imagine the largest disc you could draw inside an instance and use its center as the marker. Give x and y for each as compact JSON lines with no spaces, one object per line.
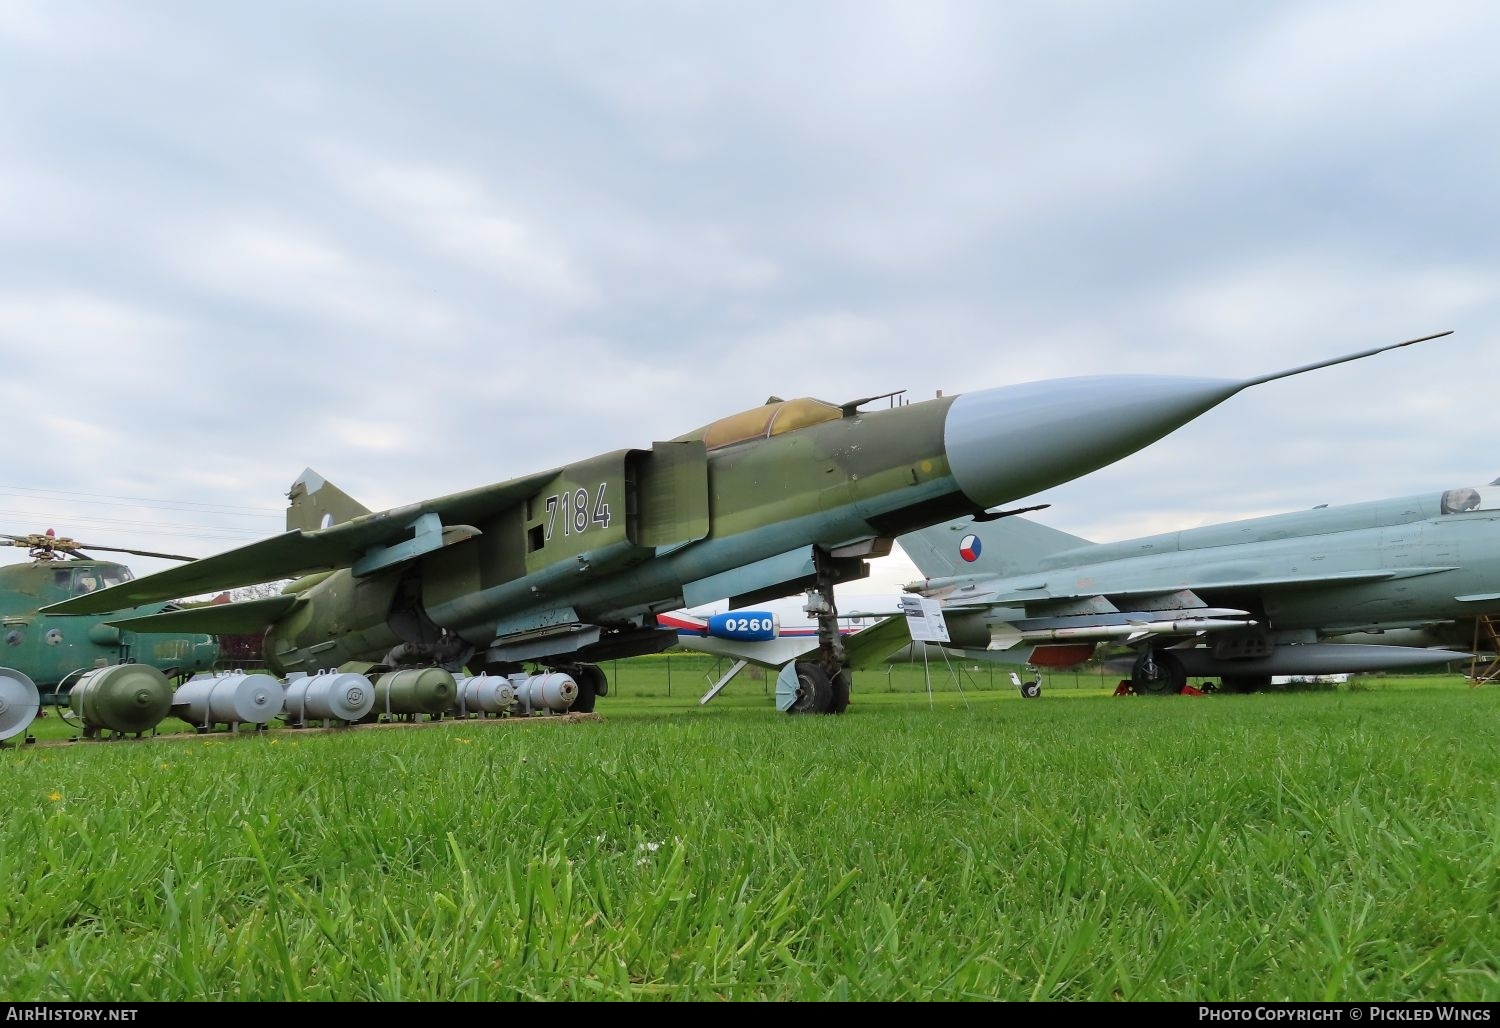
{"x":422,"y":247}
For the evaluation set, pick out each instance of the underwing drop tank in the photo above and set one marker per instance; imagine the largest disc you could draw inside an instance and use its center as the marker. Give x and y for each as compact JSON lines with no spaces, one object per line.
{"x":124,"y":698}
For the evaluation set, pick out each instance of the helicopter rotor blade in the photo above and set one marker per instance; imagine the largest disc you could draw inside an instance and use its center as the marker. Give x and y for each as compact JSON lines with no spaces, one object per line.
{"x":51,"y":544}
{"x":138,"y":553}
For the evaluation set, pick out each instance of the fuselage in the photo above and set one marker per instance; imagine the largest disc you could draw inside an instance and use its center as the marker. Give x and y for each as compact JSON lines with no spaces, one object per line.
{"x":50,"y":648}
{"x":830,"y":484}
{"x":1381,"y":566}
{"x":626,"y":535}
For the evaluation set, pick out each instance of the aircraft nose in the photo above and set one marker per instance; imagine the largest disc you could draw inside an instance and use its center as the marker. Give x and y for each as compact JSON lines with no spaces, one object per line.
{"x":1010,"y":442}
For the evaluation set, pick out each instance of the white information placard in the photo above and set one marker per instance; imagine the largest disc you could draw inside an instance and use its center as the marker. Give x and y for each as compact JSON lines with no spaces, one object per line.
{"x":924,"y":619}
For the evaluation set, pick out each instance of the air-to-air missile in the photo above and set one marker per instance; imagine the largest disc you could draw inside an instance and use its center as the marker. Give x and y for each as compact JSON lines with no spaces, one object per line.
{"x":1004,"y":636}
{"x":570,"y":566}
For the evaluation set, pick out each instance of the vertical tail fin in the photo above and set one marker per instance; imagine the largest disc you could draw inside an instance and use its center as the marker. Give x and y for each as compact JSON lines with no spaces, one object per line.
{"x":1009,"y":546}
{"x":318,"y":503}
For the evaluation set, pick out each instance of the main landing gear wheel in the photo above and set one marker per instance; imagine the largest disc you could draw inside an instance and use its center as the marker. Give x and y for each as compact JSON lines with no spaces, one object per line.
{"x":1032,"y":689}
{"x":592,"y":683}
{"x":1246,"y":683}
{"x":1158,"y":673}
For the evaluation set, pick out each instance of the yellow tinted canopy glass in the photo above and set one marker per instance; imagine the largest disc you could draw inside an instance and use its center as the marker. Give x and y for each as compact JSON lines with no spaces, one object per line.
{"x":772,"y":419}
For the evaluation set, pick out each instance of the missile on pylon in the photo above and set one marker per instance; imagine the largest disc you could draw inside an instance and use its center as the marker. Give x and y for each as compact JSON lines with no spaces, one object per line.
{"x":1004,"y":636}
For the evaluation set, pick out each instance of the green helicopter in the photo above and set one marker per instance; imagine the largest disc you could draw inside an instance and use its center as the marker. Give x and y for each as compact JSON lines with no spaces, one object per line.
{"x":53,"y":650}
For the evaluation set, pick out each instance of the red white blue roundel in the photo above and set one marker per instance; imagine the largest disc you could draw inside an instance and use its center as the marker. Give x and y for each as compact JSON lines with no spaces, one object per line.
{"x":969,"y":547}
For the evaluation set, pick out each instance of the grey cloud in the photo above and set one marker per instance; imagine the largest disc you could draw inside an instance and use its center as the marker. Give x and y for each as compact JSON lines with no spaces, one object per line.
{"x":421,"y":248}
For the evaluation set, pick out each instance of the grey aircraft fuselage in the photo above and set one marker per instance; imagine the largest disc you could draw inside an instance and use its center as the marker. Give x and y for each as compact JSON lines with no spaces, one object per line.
{"x":1411,"y":571}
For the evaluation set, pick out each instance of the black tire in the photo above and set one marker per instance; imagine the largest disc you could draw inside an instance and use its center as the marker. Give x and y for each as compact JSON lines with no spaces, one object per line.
{"x":814,"y":691}
{"x":1158,"y":673}
{"x":841,"y":684}
{"x":1031,"y":690}
{"x":589,"y":678}
{"x":1246,"y":683}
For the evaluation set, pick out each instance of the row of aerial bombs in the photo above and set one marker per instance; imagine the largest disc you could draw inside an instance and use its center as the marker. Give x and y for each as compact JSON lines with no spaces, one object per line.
{"x":134,"y":698}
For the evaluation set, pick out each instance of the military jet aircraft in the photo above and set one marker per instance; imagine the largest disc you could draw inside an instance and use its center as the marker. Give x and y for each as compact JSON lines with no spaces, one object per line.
{"x":571,"y":565}
{"x":1357,"y":587}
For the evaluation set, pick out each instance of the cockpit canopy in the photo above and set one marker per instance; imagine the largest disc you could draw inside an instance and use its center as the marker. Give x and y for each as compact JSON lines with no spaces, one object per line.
{"x":1458,"y":501}
{"x":776,"y":417}
{"x":79,"y":581}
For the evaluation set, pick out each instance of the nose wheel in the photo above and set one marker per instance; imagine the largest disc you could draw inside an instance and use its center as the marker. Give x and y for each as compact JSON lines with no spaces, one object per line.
{"x":1029,"y":690}
{"x":805,"y":688}
{"x":821,"y":686}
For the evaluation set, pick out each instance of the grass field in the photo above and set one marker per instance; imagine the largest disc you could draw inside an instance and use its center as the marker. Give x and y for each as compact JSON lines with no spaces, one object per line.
{"x":1337,"y":844}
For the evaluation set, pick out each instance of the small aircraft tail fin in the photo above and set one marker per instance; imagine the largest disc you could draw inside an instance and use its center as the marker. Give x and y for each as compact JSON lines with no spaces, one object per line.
{"x":1008,"y":546}
{"x":318,"y":503}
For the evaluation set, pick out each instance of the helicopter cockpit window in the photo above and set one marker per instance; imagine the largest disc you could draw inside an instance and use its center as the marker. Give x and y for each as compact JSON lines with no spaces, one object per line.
{"x":1458,"y":501}
{"x":77,"y":581}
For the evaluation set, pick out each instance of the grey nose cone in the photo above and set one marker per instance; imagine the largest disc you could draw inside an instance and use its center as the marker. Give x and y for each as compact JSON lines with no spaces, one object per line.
{"x":1013,"y":441}
{"x":1010,"y":442}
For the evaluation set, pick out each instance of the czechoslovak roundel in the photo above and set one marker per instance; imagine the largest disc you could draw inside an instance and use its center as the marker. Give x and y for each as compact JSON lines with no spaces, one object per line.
{"x":969,"y":547}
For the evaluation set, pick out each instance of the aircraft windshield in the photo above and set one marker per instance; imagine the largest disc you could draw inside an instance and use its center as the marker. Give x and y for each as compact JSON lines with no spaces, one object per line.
{"x":772,"y":419}
{"x":79,"y":581}
{"x":1457,"y":501}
